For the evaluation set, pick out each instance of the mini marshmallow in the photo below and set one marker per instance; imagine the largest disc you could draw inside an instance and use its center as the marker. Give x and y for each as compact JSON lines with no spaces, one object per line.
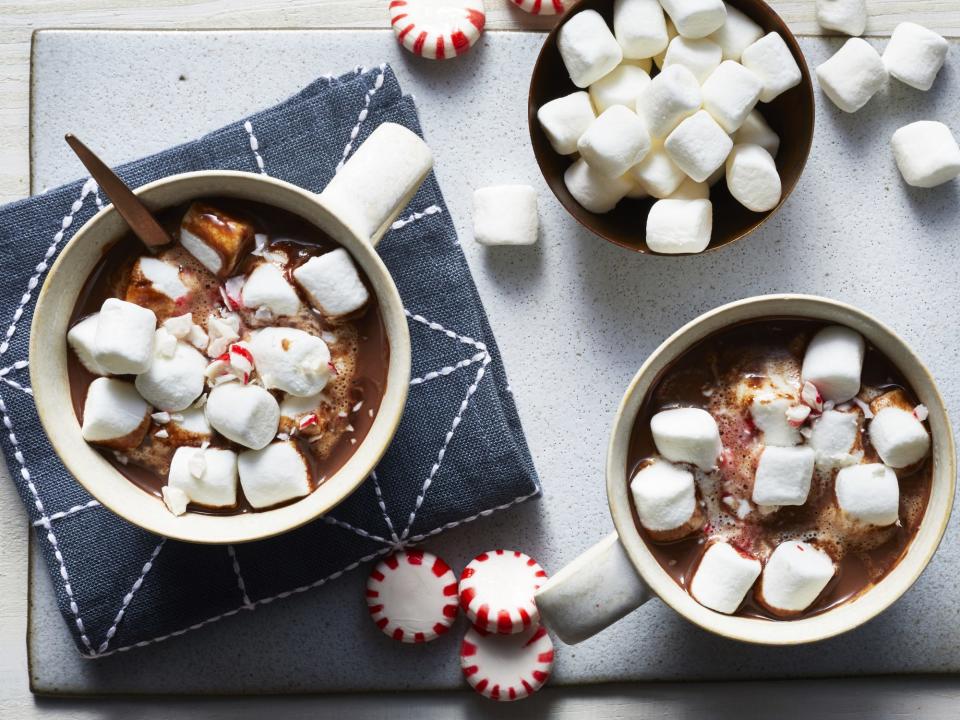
{"x":565,"y":119}
{"x":216,"y":239}
{"x":926,"y":153}
{"x":291,"y":360}
{"x":123,"y":344}
{"x":915,"y":55}
{"x":246,"y":414}
{"x":794,"y":576}
{"x":756,"y":131}
{"x":869,"y":494}
{"x":833,"y":361}
{"x":691,"y":190}
{"x":670,"y":97}
{"x":593,"y":190}
{"x":833,"y":437}
{"x":190,"y":427}
{"x":175,"y":499}
{"x":679,"y":226}
{"x":614,"y":142}
{"x":736,"y":34}
{"x":770,"y":59}
{"x":208,"y":476}
{"x":723,"y":577}
{"x":173,"y":383}
{"x":752,"y":178}
{"x":274,"y":475}
{"x":730,"y":93}
{"x":700,"y":56}
{"x":783,"y":475}
{"x":622,"y":86}
{"x":82,"y":338}
{"x":769,"y":413}
{"x":898,"y":437}
{"x":332,"y":283}
{"x":505,"y":215}
{"x":588,"y":48}
{"x":696,"y":18}
{"x":114,"y":414}
{"x":640,"y":28}
{"x":698,"y":145}
{"x":687,"y":435}
{"x":657,"y":174}
{"x":666,"y":500}
{"x":267,"y":287}
{"x":852,"y":75}
{"x":846,"y":16}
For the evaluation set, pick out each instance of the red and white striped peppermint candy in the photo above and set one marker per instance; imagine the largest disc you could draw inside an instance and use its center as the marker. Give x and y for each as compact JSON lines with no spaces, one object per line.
{"x":543,"y":7}
{"x":496,"y":591}
{"x":412,"y":596}
{"x":507,"y":667}
{"x":437,"y":29}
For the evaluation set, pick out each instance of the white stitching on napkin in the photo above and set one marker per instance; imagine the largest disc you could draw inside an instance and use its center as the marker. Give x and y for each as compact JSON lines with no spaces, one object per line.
{"x":359,"y":531}
{"x":383,"y":508}
{"x":128,"y":598}
{"x":434,"y":374}
{"x":377,"y":84}
{"x":403,"y":222}
{"x":254,"y":145}
{"x":236,"y":570}
{"x":482,"y":513}
{"x":46,"y":519}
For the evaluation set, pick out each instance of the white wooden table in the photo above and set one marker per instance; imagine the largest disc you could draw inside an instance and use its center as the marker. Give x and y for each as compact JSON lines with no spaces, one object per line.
{"x":931,"y":698}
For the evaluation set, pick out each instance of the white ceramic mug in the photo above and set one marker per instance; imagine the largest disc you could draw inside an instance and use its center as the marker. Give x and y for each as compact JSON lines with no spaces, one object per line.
{"x":619,"y":573}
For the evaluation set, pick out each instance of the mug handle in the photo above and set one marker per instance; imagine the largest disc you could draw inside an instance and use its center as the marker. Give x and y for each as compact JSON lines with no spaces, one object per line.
{"x":378,"y":181}
{"x":591,"y":593}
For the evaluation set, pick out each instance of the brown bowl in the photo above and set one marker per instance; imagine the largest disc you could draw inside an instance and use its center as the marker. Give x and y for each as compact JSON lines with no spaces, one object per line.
{"x":790,"y":115}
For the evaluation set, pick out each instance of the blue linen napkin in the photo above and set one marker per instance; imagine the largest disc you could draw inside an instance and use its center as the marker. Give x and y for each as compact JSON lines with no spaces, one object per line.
{"x":459,"y":451}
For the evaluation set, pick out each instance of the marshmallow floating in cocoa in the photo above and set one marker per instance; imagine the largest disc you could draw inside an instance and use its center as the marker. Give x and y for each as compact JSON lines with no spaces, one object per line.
{"x":783,"y":476}
{"x":915,"y":55}
{"x":834,"y":436}
{"x":640,"y":28}
{"x":588,"y":48}
{"x":273,"y":475}
{"x":899,"y":438}
{"x":266,"y":287}
{"x":291,"y":360}
{"x":189,"y":427}
{"x":206,"y":475}
{"x":565,"y":119}
{"x":217,"y":239}
{"x":123,"y":344}
{"x":853,"y":75}
{"x":151,"y":277}
{"x":723,"y":577}
{"x":246,"y":414}
{"x":332,"y":283}
{"x":114,"y":414}
{"x":769,"y":413}
{"x":82,"y":338}
{"x":687,"y":435}
{"x":869,"y":493}
{"x":665,"y":497}
{"x":173,"y":381}
{"x":833,"y":362}
{"x":794,"y":576}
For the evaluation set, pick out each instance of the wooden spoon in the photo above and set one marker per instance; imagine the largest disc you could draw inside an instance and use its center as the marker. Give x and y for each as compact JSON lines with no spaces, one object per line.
{"x":134,"y":212}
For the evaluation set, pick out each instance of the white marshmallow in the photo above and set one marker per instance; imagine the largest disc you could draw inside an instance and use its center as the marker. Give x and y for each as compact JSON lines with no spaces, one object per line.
{"x":222,"y":331}
{"x":698,"y":146}
{"x":657,"y":174}
{"x":614,"y":142}
{"x":640,"y":28}
{"x":332,"y":283}
{"x":276,"y":474}
{"x":756,"y":131}
{"x":783,"y":475}
{"x":565,"y":119}
{"x":164,"y":277}
{"x":173,"y":383}
{"x":770,"y":59}
{"x":701,"y":56}
{"x":695,"y":18}
{"x":670,"y":97}
{"x":246,"y":414}
{"x":869,"y":494}
{"x":622,"y":86}
{"x":636,"y":191}
{"x":114,"y":414}
{"x":679,"y":226}
{"x":217,"y":239}
{"x":588,"y":48}
{"x":833,"y":436}
{"x":505,"y":215}
{"x":752,"y":178}
{"x":769,"y":413}
{"x":915,"y":55}
{"x":898,"y":437}
{"x":736,"y":34}
{"x":691,"y":190}
{"x":926,"y":153}
{"x":291,"y":360}
{"x":207,"y":476}
{"x":846,"y":16}
{"x":593,"y":190}
{"x":193,"y":421}
{"x":795,"y":574}
{"x":82,"y":337}
{"x":665,"y":496}
{"x":292,"y":406}
{"x":123,"y":344}
{"x":833,"y":361}
{"x":852,"y":75}
{"x":723,"y":577}
{"x":267,"y":287}
{"x":671,"y":34}
{"x":179,"y":326}
{"x":730,"y":93}
{"x":687,"y":435}
{"x":175,"y":499}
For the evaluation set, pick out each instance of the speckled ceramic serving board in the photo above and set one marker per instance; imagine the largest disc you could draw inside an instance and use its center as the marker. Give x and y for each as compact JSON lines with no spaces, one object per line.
{"x":574,"y":317}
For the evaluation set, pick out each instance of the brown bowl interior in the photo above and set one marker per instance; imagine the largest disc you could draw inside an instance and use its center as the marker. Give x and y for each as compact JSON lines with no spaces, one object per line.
{"x":790,"y":115}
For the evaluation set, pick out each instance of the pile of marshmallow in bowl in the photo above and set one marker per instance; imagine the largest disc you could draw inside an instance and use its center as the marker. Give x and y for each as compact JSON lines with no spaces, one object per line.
{"x":678,"y":133}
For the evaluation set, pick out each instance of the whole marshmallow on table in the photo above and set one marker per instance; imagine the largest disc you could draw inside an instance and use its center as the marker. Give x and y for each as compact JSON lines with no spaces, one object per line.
{"x":852,"y":75}
{"x":769,"y":413}
{"x":266,"y":287}
{"x":869,"y":494}
{"x":698,"y":145}
{"x":691,"y":190}
{"x":794,"y":576}
{"x":173,"y":381}
{"x":666,"y":501}
{"x":670,"y":97}
{"x":730,"y":93}
{"x":926,"y":153}
{"x":695,"y":18}
{"x":846,"y":16}
{"x":593,"y":190}
{"x":82,"y":338}
{"x":621,"y":86}
{"x":124,"y":341}
{"x":833,"y":437}
{"x":756,"y":131}
{"x":273,"y":475}
{"x":614,"y":142}
{"x":114,"y":414}
{"x":700,"y":56}
{"x":588,"y":48}
{"x":332,"y":283}
{"x":783,"y":476}
{"x":246,"y":414}
{"x":207,"y":476}
{"x":899,"y":438}
{"x":723,"y":577}
{"x":679,"y":226}
{"x":687,"y":435}
{"x":752,"y":178}
{"x":565,"y":119}
{"x":833,"y":362}
{"x":291,"y":360}
{"x":770,"y":59}
{"x":505,"y":215}
{"x":215,"y":238}
{"x":736,"y":34}
{"x":915,"y":55}
{"x":640,"y":28}
{"x":657,"y":174}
